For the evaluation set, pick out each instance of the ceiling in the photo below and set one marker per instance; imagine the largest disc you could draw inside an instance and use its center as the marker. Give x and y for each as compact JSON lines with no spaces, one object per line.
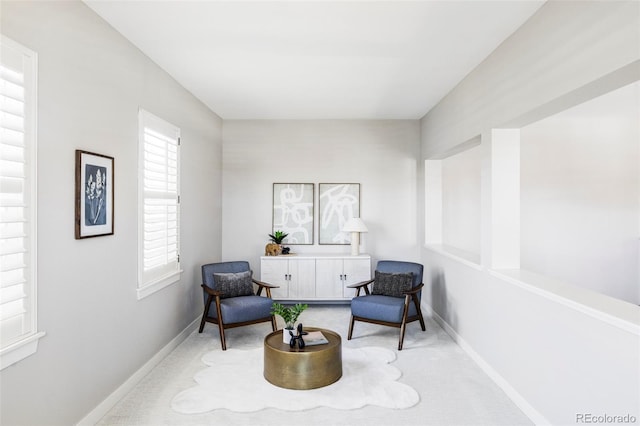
{"x":317,"y":59}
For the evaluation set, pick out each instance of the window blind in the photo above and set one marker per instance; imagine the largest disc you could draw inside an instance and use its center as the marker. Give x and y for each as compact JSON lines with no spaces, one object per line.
{"x":160,"y":206}
{"x":17,"y":194}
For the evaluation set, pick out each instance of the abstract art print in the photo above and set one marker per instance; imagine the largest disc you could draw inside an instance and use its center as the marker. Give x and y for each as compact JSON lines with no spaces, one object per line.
{"x":94,"y":195}
{"x":339,"y":202}
{"x":293,"y":211}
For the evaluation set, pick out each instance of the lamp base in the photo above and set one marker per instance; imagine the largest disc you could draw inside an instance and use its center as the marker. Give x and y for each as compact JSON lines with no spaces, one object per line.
{"x":355,"y":243}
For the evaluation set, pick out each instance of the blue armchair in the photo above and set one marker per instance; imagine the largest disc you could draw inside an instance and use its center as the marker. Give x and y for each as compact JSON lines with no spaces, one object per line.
{"x":394,"y":299}
{"x":230,"y":285}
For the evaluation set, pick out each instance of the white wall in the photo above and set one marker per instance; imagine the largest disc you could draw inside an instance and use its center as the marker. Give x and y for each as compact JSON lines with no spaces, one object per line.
{"x":557,"y":356}
{"x":91,"y":84}
{"x":461,"y":201}
{"x":579,"y":196}
{"x":380,"y":155}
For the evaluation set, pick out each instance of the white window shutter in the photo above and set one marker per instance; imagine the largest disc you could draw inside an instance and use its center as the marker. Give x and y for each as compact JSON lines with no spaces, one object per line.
{"x":18,"y":67}
{"x":159,"y":187}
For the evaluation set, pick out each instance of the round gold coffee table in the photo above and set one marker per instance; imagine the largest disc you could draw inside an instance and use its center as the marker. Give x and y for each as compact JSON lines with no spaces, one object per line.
{"x":309,"y":368}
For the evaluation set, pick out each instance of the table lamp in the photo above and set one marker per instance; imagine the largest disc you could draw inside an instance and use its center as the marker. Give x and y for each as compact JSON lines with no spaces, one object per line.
{"x":355,"y":225}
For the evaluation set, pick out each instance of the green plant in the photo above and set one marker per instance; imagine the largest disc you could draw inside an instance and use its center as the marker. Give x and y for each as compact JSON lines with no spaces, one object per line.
{"x":289,"y":314}
{"x":277,"y":237}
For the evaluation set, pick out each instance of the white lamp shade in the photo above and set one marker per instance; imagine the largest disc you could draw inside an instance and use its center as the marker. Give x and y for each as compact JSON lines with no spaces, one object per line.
{"x":355,"y":224}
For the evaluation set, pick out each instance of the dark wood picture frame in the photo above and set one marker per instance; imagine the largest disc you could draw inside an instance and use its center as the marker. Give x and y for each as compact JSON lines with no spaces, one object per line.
{"x":94,"y":208}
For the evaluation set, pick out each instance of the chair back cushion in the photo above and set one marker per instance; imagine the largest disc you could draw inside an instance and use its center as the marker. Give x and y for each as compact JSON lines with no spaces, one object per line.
{"x":233,"y":284}
{"x":221,"y":268}
{"x":389,"y":284}
{"x":398,"y":267}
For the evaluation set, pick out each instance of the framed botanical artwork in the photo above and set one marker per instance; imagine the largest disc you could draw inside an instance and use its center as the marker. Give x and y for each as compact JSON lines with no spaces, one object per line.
{"x":94,"y":195}
{"x":293,"y":211}
{"x":338,"y":202}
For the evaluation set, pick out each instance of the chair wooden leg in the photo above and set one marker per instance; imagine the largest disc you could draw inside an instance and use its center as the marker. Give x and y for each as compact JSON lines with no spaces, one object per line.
{"x":220,"y":324}
{"x":222,"y":341}
{"x":419,"y":311}
{"x":205,"y":314}
{"x":403,"y":327}
{"x":274,"y":326}
{"x":351,"y":328}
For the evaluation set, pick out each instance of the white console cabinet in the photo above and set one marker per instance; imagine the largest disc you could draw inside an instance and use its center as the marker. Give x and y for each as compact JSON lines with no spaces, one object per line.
{"x":314,"y":278}
{"x":296,"y":277}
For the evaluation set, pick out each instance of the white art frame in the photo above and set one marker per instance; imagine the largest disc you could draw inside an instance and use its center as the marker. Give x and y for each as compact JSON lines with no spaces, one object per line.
{"x":293,"y":210}
{"x":338,"y":202}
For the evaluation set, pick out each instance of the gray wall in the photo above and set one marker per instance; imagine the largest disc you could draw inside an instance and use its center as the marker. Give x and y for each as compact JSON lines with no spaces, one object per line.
{"x":579,"y":180}
{"x":558,"y":350}
{"x":91,"y":83}
{"x":381,"y":155}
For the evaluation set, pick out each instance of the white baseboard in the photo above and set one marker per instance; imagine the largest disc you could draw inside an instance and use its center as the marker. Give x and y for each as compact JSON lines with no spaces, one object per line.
{"x":103,"y":408}
{"x":533,"y":414}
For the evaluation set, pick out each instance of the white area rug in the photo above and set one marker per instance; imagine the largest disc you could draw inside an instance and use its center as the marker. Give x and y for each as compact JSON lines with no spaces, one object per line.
{"x":235,"y":381}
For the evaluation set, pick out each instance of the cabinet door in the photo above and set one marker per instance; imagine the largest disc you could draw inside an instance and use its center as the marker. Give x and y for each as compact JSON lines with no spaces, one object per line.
{"x":302,"y":278}
{"x":275,"y":271}
{"x":329,"y":278}
{"x":355,"y":271}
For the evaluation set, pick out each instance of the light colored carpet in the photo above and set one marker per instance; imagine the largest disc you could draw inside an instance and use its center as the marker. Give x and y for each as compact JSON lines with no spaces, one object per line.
{"x":453,"y":389}
{"x":234,"y":381}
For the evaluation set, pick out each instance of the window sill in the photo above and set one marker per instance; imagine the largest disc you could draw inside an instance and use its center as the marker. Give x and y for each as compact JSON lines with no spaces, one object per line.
{"x":159,"y":284}
{"x":462,"y":256}
{"x":623,"y":315}
{"x":20,"y":350}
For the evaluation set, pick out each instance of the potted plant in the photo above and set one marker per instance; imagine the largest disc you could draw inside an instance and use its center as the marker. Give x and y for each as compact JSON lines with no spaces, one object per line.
{"x":290,"y":315}
{"x":275,"y":248}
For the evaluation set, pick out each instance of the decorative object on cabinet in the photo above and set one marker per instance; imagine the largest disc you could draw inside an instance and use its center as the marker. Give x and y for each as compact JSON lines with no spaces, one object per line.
{"x":235,"y":311}
{"x":293,"y":211}
{"x":94,"y":195}
{"x":315,"y":277}
{"x":277,"y":237}
{"x":355,"y":226}
{"x":275,"y":247}
{"x":272,"y":249}
{"x":387,"y":305}
{"x":338,"y":203}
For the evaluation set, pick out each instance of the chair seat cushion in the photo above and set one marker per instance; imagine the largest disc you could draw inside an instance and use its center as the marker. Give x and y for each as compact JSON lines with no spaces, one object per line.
{"x":380,"y":308}
{"x":233,"y":284}
{"x":244,"y":308}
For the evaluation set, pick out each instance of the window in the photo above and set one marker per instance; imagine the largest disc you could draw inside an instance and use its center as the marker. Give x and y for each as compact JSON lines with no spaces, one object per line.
{"x":18,"y":325}
{"x":159,"y":204}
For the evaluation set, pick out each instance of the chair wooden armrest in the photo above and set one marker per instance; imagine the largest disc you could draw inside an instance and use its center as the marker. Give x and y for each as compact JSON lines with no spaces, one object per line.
{"x":414,"y":290}
{"x":360,"y":284}
{"x":211,"y":291}
{"x":264,"y":285}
